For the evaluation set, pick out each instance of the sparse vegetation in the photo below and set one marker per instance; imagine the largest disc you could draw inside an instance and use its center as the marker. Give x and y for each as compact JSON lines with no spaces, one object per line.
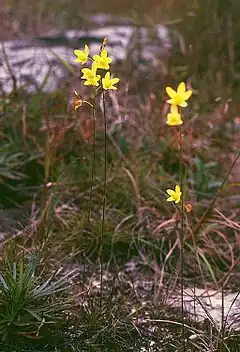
{"x":86,"y":196}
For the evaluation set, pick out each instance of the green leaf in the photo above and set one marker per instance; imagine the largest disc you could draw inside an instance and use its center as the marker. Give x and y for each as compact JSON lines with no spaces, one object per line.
{"x":34,"y":314}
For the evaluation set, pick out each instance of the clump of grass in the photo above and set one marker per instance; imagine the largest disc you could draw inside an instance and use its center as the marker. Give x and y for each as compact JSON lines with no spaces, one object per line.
{"x":30,"y":304}
{"x":75,"y":236}
{"x":106,"y":326}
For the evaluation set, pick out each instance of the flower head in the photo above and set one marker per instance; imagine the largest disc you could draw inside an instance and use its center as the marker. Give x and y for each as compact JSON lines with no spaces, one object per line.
{"x":175,"y":196}
{"x":108,"y":82}
{"x":180,"y":96}
{"x":89,"y":74}
{"x":82,"y":56}
{"x":174,"y":118}
{"x":102,"y":60}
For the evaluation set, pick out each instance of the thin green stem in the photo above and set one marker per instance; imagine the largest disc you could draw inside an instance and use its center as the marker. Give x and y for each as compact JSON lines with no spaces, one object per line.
{"x":48,"y":161}
{"x":93,"y":163}
{"x":182,"y":239}
{"x":93,"y":169}
{"x":104,"y":198}
{"x":222,"y":311}
{"x":194,"y":283}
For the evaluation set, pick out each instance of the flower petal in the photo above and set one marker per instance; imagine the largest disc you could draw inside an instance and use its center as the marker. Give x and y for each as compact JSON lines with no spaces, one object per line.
{"x":85,"y":70}
{"x":171,"y":101}
{"x":170,"y":192}
{"x":187,"y":95}
{"x":77,"y":52}
{"x":174,"y":121}
{"x":183,"y":104}
{"x":181,"y":88}
{"x":115,"y":80}
{"x":94,"y":68}
{"x":170,"y":199}
{"x":104,"y":53}
{"x":177,"y":189}
{"x":96,"y":57}
{"x":171,"y":92}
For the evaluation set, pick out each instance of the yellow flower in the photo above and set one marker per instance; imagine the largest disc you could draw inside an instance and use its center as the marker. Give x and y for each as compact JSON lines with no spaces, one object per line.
{"x":82,"y":56}
{"x":175,"y":196}
{"x":108,"y":82}
{"x":89,"y":74}
{"x":102,"y":60}
{"x":180,"y":96}
{"x":174,"y":118}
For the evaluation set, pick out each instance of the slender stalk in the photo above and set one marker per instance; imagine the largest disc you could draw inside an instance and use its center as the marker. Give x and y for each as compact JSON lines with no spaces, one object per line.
{"x":223,"y":320}
{"x":48,"y":160}
{"x":92,"y":171}
{"x":182,"y":238}
{"x":194,"y":284}
{"x":93,"y":162}
{"x":222,"y":311}
{"x":104,"y":198}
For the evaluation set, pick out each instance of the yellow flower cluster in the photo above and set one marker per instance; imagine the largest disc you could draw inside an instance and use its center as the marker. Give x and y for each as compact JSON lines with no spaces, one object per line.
{"x":178,"y":98}
{"x":90,"y":75}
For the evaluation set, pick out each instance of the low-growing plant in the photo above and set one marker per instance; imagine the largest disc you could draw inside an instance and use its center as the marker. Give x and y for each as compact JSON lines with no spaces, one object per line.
{"x":29,"y":303}
{"x":106,"y":325}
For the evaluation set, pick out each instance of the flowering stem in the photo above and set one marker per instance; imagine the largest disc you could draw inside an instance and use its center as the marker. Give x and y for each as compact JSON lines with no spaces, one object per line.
{"x":93,"y":162}
{"x":222,"y":311}
{"x":104,"y":198}
{"x":92,"y":171}
{"x":48,"y":161}
{"x":182,"y":238}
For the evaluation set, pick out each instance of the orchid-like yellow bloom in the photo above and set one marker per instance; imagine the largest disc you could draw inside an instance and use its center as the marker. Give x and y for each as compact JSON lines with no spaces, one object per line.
{"x":89,"y":74}
{"x":102,"y":60}
{"x":108,"y":82}
{"x":175,"y":196}
{"x":180,"y":96}
{"x":174,"y":117}
{"x":82,"y":56}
